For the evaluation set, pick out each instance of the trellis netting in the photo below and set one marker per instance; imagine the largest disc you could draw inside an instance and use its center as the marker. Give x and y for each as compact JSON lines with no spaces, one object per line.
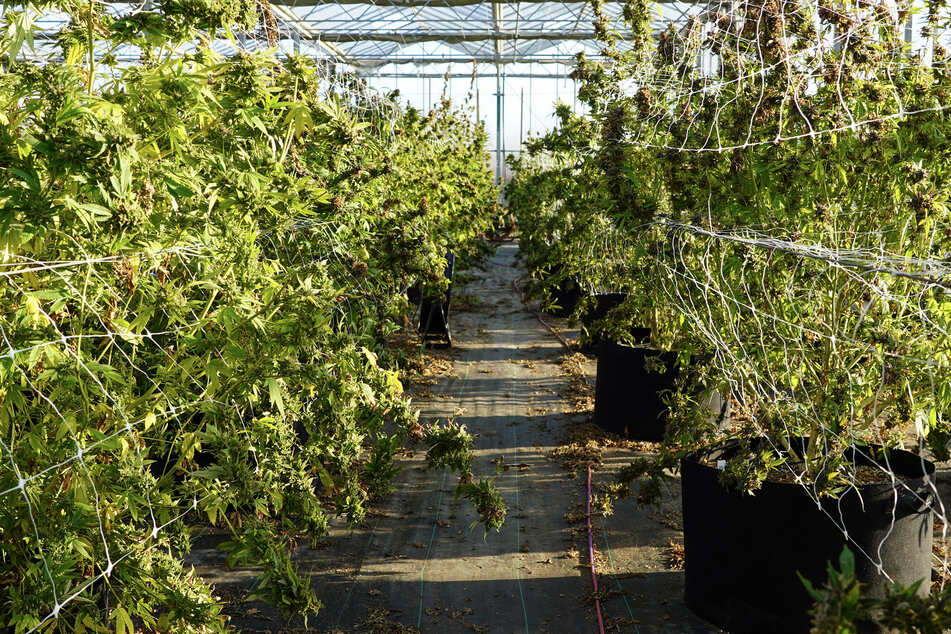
{"x":827,"y":308}
{"x":779,"y":206}
{"x":200,"y":253}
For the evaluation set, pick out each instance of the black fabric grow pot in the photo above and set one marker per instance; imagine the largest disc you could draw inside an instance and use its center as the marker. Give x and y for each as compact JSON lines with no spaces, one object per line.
{"x":742,"y":552}
{"x":628,"y":400}
{"x":566,"y":296}
{"x":601,"y":305}
{"x":414,"y":295}
{"x":433,"y":322}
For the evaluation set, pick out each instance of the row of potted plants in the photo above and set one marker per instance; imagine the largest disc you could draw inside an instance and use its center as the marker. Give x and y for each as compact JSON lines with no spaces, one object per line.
{"x":202,"y":259}
{"x":785,"y":239}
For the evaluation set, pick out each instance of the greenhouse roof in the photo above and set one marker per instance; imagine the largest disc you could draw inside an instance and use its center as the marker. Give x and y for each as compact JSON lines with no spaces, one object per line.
{"x":368,"y":34}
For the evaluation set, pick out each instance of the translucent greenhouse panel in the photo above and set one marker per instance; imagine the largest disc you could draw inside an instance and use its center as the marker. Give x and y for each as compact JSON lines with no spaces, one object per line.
{"x":528,"y":96}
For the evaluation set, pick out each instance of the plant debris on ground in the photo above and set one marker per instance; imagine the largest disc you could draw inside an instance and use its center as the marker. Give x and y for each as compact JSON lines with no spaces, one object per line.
{"x":675,"y":555}
{"x":584,"y":443}
{"x":419,"y":365}
{"x":579,"y":394}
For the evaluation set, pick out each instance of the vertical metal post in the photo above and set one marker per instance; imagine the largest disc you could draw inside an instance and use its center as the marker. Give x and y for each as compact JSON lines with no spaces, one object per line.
{"x":478,"y":115}
{"x":531,"y":96}
{"x":498,"y":124}
{"x":521,"y":120}
{"x":503,"y":124}
{"x":498,"y":18}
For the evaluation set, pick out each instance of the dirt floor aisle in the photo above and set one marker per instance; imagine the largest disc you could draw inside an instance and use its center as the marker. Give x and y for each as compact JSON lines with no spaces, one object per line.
{"x":417,"y":563}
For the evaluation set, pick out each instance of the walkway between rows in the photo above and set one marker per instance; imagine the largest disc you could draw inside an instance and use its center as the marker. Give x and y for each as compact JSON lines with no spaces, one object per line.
{"x":418,"y":562}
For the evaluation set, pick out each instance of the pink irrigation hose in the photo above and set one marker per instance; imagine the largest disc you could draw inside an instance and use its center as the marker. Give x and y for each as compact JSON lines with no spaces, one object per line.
{"x":594,"y":576}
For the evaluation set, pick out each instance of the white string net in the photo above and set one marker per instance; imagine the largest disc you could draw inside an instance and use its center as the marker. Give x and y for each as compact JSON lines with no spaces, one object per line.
{"x":787,"y":166}
{"x":58,"y":376}
{"x":120,"y":366}
{"x":795,"y":69}
{"x":104,"y":367}
{"x":791,"y":370}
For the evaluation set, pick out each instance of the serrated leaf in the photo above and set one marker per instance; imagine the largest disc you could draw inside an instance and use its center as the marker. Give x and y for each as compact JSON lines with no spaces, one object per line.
{"x":123,"y":621}
{"x":325,"y":479}
{"x":276,"y":394}
{"x":95,"y":213}
{"x":847,"y":563}
{"x":298,"y":118}
{"x":125,"y":174}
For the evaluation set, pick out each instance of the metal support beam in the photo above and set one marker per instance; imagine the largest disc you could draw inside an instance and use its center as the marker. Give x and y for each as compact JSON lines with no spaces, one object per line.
{"x":364,"y":64}
{"x":497,"y":19}
{"x":304,"y":31}
{"x":431,"y":3}
{"x":450,"y":37}
{"x":521,"y":120}
{"x":499,"y":101}
{"x":374,"y":75}
{"x":568,"y":60}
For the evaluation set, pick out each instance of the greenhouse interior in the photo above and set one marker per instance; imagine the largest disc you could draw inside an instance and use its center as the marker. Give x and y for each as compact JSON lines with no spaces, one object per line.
{"x":392,"y":316}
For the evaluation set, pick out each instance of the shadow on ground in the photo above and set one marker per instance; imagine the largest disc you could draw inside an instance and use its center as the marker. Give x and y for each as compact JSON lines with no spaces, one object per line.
{"x":418,"y":560}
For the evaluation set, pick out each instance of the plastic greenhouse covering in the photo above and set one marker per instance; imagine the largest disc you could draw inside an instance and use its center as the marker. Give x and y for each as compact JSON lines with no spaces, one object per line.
{"x":514,"y":57}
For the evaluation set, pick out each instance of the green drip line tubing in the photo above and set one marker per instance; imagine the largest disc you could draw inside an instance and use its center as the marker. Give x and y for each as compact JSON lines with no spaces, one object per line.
{"x":607,"y":547}
{"x":518,"y":533}
{"x":432,"y":535}
{"x":366,"y":547}
{"x":346,"y":602}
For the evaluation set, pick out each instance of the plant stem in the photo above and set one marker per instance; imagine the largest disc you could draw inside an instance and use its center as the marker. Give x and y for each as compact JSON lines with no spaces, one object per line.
{"x":92,"y":52}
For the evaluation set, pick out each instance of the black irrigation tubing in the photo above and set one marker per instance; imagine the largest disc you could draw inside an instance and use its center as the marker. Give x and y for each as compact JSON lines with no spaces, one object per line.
{"x":538,"y":316}
{"x":432,"y":535}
